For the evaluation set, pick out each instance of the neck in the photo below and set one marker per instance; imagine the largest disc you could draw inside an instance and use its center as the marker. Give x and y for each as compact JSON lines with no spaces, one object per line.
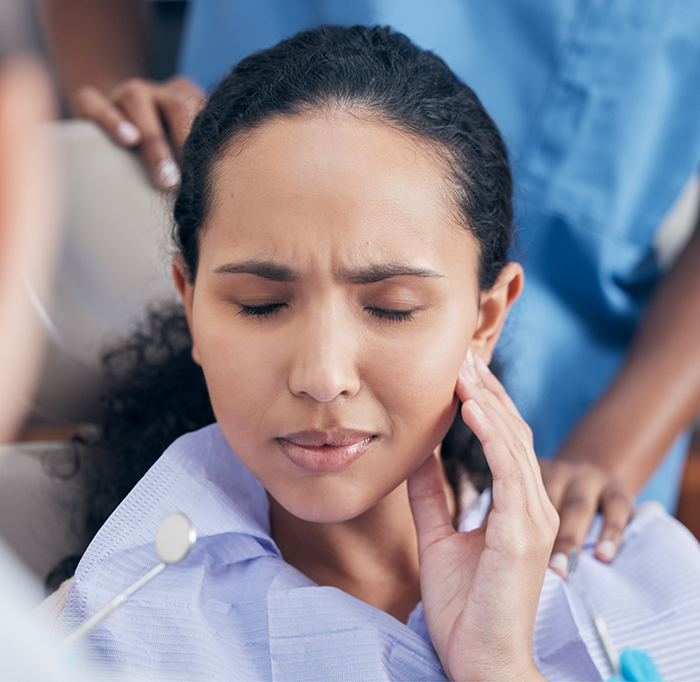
{"x":373,"y":557}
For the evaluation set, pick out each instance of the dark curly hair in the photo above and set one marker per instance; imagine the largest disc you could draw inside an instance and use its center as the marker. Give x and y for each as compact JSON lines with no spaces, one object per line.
{"x":155,"y":390}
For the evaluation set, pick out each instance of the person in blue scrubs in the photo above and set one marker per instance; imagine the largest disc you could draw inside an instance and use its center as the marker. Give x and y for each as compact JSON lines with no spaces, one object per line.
{"x":600,"y":108}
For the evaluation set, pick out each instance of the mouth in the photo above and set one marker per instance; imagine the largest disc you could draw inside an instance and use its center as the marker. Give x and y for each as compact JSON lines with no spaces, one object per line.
{"x":322,"y":452}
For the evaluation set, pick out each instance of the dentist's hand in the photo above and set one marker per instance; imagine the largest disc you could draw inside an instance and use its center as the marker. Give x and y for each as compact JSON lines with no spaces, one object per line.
{"x":578,"y":488}
{"x":155,"y":117}
{"x":480,"y":589}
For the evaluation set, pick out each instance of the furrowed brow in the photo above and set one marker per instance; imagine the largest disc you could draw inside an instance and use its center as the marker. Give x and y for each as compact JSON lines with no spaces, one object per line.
{"x":260,"y":268}
{"x":382,"y":271}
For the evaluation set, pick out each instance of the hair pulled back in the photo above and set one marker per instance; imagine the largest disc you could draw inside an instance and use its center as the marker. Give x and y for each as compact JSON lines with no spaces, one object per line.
{"x":373,"y":70}
{"x":154,"y":390}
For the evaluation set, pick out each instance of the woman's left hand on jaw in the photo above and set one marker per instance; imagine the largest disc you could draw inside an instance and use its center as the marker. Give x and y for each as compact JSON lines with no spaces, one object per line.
{"x":578,"y":489}
{"x":480,"y":589}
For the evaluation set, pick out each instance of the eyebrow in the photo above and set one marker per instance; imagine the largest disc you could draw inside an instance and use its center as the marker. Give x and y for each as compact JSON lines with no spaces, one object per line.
{"x":382,"y":271}
{"x":281,"y":273}
{"x":261,"y":268}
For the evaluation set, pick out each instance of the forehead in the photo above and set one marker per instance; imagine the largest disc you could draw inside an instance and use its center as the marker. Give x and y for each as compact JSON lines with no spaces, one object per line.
{"x":335,"y":180}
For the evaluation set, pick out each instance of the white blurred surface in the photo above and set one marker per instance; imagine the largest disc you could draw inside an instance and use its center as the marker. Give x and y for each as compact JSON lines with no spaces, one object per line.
{"x":35,"y":508}
{"x":114,"y":262}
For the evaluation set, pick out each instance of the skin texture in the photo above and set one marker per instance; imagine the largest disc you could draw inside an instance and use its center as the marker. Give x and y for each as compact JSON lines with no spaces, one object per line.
{"x":335,"y":349}
{"x":28,"y":229}
{"x":326,"y":342}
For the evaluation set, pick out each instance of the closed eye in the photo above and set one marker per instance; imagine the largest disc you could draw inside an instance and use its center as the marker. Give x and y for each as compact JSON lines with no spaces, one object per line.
{"x":391,"y":315}
{"x":260,"y":310}
{"x":271,"y":308}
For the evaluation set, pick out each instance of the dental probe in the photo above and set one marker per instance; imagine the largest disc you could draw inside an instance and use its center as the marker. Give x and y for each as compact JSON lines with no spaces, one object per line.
{"x":632,"y":665}
{"x":600,"y":627}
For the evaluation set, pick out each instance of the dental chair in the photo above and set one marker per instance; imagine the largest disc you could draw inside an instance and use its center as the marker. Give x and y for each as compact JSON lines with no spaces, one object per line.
{"x":113,"y":264}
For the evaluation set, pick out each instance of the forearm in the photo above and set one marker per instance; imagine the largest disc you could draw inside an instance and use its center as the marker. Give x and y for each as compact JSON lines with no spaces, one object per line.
{"x":95,"y":42}
{"x":657,"y":392}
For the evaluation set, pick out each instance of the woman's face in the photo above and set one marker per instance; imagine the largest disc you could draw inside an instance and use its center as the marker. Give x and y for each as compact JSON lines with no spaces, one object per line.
{"x":335,"y":299}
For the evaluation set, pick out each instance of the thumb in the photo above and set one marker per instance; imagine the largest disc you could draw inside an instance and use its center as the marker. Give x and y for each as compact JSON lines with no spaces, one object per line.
{"x":426,"y":494}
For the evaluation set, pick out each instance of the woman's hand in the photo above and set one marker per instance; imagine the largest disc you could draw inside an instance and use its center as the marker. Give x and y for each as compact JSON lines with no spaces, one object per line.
{"x":480,"y":589}
{"x":577,"y":490}
{"x":156,"y":117}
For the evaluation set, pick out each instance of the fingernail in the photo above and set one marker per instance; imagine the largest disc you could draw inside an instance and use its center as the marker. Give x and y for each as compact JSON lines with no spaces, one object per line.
{"x":481,"y":365}
{"x":560,"y":563}
{"x":470,"y":356}
{"x":607,"y":549}
{"x":168,"y":174}
{"x":128,"y":133}
{"x":475,"y":407}
{"x":467,"y":372}
{"x":651,"y":505}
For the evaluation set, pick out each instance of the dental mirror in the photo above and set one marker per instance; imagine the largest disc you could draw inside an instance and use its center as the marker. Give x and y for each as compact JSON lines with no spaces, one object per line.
{"x":174,"y":538}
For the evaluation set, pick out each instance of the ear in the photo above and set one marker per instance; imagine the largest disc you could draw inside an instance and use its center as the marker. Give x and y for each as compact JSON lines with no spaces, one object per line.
{"x":494,"y":305}
{"x":181,"y":276}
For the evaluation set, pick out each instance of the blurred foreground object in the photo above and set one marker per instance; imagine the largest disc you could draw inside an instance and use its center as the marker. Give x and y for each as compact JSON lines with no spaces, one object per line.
{"x":113,"y":261}
{"x":28,"y":234}
{"x":28,"y":221}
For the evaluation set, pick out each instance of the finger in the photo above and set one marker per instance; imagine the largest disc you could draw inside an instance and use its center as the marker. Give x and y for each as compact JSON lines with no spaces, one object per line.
{"x":180,"y":100}
{"x":510,"y":419}
{"x":519,"y":497}
{"x":617,"y":507}
{"x":426,"y":494}
{"x":514,"y":481}
{"x":512,"y":416}
{"x":136,"y":98}
{"x":494,"y":385}
{"x":514,"y":430}
{"x":95,"y":105}
{"x":501,"y":401}
{"x":576,"y":513}
{"x":516,"y":438}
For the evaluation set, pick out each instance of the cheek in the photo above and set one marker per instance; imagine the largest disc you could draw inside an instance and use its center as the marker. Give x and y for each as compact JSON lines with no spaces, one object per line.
{"x":240,"y":369}
{"x":415,"y":376}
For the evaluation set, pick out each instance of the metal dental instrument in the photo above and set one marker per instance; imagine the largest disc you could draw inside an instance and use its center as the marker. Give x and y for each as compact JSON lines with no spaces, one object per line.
{"x":600,"y":627}
{"x":175,"y":537}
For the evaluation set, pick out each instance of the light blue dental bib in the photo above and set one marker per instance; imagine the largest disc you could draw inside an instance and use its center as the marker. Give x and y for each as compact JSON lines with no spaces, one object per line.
{"x":234,"y":610}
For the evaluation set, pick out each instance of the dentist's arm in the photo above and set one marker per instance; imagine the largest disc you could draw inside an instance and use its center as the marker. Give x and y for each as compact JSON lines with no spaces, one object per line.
{"x":95,"y":43}
{"x":615,"y":448}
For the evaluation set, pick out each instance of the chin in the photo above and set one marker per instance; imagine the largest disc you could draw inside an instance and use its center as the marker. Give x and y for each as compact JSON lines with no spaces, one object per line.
{"x":326,"y":506}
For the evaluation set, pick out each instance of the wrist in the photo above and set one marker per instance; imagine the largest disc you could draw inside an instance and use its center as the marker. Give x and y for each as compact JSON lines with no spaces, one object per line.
{"x":520,"y":671}
{"x":621,"y":437}
{"x":596,"y":444}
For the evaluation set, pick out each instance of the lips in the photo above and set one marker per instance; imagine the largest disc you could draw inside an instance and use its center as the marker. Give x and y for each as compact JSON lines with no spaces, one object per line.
{"x":319,"y":452}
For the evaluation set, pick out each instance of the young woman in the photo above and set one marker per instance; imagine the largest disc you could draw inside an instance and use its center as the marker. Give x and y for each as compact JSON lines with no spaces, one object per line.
{"x":342,"y":229}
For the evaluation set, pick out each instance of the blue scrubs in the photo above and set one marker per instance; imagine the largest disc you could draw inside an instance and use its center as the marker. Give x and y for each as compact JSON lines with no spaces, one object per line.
{"x":599,"y":103}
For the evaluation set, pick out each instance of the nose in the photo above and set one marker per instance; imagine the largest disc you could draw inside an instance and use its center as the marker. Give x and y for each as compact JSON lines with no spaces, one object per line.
{"x":324,"y":364}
